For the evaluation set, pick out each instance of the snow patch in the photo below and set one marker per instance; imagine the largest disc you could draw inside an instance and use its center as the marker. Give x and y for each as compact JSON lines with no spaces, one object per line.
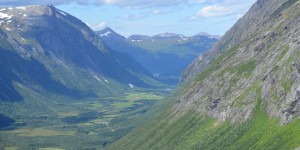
{"x":106,"y":81}
{"x":137,"y":40}
{"x":24,"y":15}
{"x":185,"y":39}
{"x":5,"y":16}
{"x":10,"y":8}
{"x":97,"y":78}
{"x":131,"y":85}
{"x":2,"y":9}
{"x":24,"y":8}
{"x":8,"y":29}
{"x":61,"y":12}
{"x":105,"y":34}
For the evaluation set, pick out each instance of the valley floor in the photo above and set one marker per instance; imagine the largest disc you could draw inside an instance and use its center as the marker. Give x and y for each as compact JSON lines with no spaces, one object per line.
{"x":84,"y":124}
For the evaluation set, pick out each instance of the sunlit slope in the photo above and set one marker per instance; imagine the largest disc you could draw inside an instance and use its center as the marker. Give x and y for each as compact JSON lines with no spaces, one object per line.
{"x":247,"y":97}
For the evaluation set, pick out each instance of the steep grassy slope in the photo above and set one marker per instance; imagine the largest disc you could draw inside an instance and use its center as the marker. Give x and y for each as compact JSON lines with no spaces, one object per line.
{"x":246,"y":98}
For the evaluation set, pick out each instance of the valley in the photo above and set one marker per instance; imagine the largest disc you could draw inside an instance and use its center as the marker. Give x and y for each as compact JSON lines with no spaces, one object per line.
{"x":83,"y":123}
{"x":64,"y":85}
{"x":63,"y":88}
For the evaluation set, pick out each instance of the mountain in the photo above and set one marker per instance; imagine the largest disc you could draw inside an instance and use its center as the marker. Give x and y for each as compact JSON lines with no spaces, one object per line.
{"x":164,"y":55}
{"x":244,"y":93}
{"x":108,"y":33}
{"x":167,"y":35}
{"x":43,"y":47}
{"x":138,"y":37}
{"x":58,"y":80}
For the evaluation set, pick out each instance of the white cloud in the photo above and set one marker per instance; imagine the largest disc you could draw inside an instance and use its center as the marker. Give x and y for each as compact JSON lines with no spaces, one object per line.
{"x":159,"y":11}
{"x":97,"y":27}
{"x":223,"y":8}
{"x":213,"y":11}
{"x":41,"y":2}
{"x":135,"y":16}
{"x":140,"y":4}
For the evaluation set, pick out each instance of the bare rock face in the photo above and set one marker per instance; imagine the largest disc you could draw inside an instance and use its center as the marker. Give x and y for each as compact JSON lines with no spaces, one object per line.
{"x":255,"y":64}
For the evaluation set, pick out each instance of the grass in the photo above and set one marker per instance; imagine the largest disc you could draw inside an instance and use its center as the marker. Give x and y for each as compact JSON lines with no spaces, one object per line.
{"x":254,"y":90}
{"x":68,"y":114}
{"x":216,"y":64}
{"x":111,"y":118}
{"x":36,"y":132}
{"x":287,"y":85}
{"x":193,"y":131}
{"x":140,"y":96}
{"x":11,"y":148}
{"x":123,"y":104}
{"x":247,"y":68}
{"x":51,"y":148}
{"x":283,"y":54}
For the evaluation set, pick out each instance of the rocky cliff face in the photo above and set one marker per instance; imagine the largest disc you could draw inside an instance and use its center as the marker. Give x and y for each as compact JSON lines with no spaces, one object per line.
{"x":258,"y":61}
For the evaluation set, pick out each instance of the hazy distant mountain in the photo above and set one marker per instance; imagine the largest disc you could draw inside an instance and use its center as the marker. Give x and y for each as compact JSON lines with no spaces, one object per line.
{"x":138,"y":37}
{"x":164,"y":55}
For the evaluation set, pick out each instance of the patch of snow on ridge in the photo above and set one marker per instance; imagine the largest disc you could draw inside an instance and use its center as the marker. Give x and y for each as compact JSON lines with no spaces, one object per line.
{"x":137,"y":40}
{"x":105,"y":34}
{"x":5,"y":16}
{"x":131,"y":85}
{"x":97,"y":78}
{"x":24,"y":8}
{"x":61,"y":12}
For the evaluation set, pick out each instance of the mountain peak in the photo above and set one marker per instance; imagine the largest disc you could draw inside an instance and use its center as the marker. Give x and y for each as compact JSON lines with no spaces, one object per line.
{"x":168,"y":35}
{"x":208,"y":35}
{"x":109,"y":33}
{"x":138,"y":37}
{"x":7,"y":14}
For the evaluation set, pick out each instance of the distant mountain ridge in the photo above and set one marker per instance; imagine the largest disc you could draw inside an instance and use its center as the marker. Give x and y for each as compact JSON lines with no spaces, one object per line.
{"x":168,"y":35}
{"x":165,"y":55}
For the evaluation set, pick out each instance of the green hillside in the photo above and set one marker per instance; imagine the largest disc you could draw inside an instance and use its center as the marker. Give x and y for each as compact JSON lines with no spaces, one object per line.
{"x":246,"y":97}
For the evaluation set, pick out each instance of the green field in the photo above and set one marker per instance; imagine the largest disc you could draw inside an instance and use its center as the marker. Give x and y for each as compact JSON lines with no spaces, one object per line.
{"x":84,"y":124}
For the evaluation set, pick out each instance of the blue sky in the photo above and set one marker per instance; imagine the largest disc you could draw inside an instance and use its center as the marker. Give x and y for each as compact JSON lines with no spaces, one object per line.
{"x":150,"y":17}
